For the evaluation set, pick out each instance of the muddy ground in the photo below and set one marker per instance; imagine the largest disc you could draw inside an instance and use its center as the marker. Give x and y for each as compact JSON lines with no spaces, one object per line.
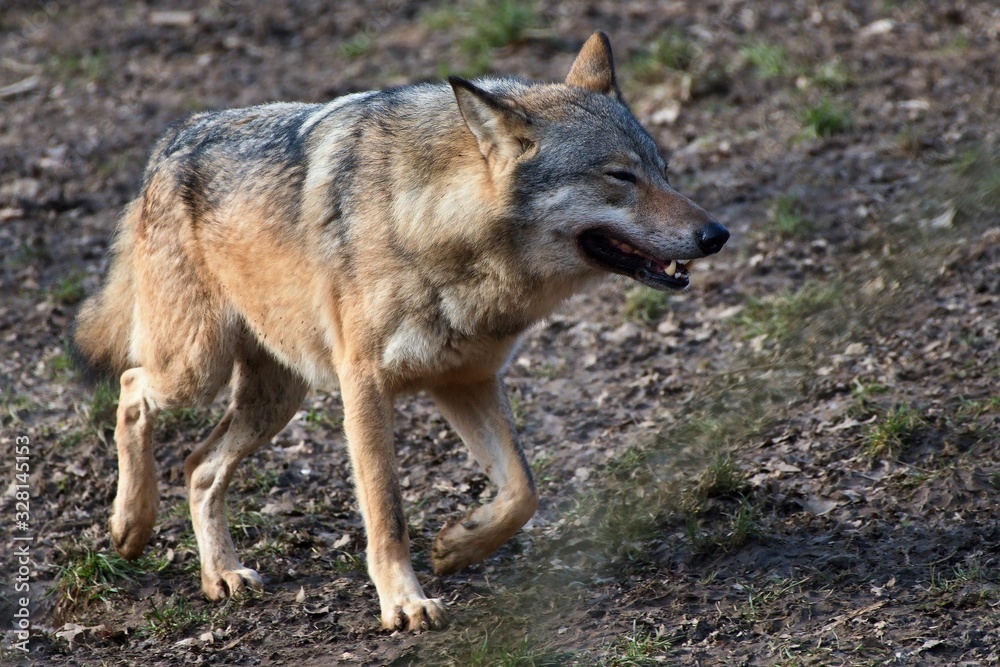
{"x":795,"y":462}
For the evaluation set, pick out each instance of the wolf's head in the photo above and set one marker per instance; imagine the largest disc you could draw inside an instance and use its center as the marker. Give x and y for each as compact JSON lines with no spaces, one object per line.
{"x":586,"y":182}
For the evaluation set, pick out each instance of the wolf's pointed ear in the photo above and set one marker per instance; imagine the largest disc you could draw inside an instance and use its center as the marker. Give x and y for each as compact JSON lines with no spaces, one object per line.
{"x":501,"y":130}
{"x":594,"y":68}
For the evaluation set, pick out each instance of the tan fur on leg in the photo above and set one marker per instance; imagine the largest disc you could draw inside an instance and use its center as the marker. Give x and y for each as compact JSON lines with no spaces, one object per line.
{"x":481,"y":415}
{"x":265,"y":397}
{"x":134,"y":511}
{"x":368,"y":416}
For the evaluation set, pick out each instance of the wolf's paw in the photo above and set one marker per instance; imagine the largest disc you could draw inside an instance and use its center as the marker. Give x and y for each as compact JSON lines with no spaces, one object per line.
{"x":460,"y":545}
{"x":227,"y":583}
{"x":414,"y":615}
{"x":129,"y":534}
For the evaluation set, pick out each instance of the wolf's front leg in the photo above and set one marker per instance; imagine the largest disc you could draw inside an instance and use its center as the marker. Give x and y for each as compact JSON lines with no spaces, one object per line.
{"x":368,"y":415}
{"x":481,"y":415}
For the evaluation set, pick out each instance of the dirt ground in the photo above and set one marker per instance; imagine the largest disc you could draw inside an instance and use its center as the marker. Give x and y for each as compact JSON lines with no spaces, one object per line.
{"x":795,"y":462}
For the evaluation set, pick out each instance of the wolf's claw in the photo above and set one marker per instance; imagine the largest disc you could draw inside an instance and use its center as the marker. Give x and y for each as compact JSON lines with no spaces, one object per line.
{"x":228,"y":583}
{"x":416,"y":616}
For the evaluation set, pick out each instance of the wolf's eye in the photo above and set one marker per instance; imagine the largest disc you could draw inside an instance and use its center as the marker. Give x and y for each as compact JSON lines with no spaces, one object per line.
{"x":626,"y":176}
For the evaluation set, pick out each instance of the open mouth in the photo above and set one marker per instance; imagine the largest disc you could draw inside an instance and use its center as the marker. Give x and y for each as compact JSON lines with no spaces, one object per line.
{"x":617,"y":256}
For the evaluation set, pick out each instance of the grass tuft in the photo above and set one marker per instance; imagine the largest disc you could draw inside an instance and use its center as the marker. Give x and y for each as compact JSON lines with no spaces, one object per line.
{"x":769,"y":60}
{"x":638,"y":649}
{"x":723,"y":477}
{"x":670,"y":51}
{"x":12,"y":405}
{"x":978,"y":183}
{"x":493,"y":652}
{"x":101,"y":415}
{"x":90,"y":575}
{"x":827,"y":119}
{"x":787,"y":219}
{"x":69,"y":290}
{"x":781,"y":319}
{"x":893,"y":432}
{"x":646,"y":305}
{"x":174,"y":617}
{"x":317,"y":417}
{"x":360,"y":44}
{"x":482,"y":26}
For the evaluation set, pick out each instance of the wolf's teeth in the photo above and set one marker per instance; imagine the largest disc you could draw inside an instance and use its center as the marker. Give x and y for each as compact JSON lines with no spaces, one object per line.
{"x":672,"y":269}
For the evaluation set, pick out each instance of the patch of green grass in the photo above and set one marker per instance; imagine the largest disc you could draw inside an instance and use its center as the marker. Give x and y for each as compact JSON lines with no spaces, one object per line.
{"x":269,"y":547}
{"x":90,"y":575}
{"x":959,"y":43}
{"x":889,"y":435}
{"x":61,"y":364}
{"x":910,"y":141}
{"x":517,"y":409}
{"x":761,"y":599}
{"x":498,"y":23}
{"x":90,"y":67}
{"x":722,"y":477}
{"x":863,"y":393}
{"x":186,"y":421}
{"x":347,"y":562}
{"x":69,"y":290}
{"x":637,"y":498}
{"x":317,"y":417}
{"x":526,"y":652}
{"x":27,"y":253}
{"x":972,"y":409}
{"x":827,"y":119}
{"x":733,"y":531}
{"x":541,"y":468}
{"x":673,"y":480}
{"x":360,"y":44}
{"x":102,"y":413}
{"x":250,"y":523}
{"x":12,"y":405}
{"x":646,"y":305}
{"x":787,"y":217}
{"x":546,"y":370}
{"x":975,"y":583}
{"x":71,"y":439}
{"x":977,"y":183}
{"x":782,"y":319}
{"x":443,"y":18}
{"x":639,"y":649}
{"x":257,"y":479}
{"x":670,"y":51}
{"x":481,"y":26}
{"x":769,"y":60}
{"x":174,"y":617}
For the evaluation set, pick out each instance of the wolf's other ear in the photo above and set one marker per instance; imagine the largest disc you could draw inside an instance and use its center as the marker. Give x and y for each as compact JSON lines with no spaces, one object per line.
{"x":503,"y":132}
{"x":594,"y":68}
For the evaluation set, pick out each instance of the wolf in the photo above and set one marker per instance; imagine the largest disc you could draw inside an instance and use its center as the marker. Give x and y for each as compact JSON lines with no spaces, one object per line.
{"x":386,"y":242}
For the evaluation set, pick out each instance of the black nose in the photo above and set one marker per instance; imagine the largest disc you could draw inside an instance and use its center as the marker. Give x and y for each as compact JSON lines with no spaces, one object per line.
{"x":712,"y":237}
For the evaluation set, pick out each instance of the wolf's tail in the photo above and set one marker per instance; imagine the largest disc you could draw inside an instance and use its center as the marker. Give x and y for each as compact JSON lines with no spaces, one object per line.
{"x":103,"y":329}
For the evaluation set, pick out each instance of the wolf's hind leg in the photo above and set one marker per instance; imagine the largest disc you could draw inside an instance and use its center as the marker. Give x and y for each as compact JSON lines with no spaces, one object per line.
{"x":145,"y":391}
{"x":481,"y":415}
{"x":265,"y":397}
{"x":134,"y":510}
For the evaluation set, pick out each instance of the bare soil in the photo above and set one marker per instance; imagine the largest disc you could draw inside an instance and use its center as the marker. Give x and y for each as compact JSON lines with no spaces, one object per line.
{"x":795,"y":462}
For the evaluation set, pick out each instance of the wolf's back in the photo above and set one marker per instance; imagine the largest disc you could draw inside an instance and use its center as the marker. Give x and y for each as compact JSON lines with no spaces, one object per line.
{"x":103,"y":329}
